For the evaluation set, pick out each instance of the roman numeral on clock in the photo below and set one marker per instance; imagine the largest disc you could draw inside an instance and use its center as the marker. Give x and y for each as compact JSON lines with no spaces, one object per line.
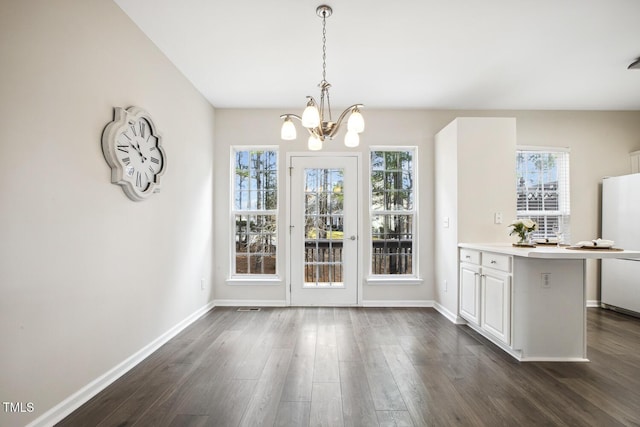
{"x":138,"y":179}
{"x":126,"y":160}
{"x":154,"y":160}
{"x":123,"y":148}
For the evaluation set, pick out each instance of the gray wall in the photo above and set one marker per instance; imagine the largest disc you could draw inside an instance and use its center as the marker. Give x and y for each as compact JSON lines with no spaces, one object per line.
{"x":88,"y":277}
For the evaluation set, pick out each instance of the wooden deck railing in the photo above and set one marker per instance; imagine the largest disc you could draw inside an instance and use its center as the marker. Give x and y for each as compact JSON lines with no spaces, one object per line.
{"x":324,"y":263}
{"x":325,"y":259}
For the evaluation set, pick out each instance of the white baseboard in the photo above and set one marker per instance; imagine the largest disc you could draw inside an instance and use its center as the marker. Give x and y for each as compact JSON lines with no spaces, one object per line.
{"x":283,"y":303}
{"x":453,"y":318}
{"x":593,"y":303}
{"x":397,"y":303}
{"x":73,"y":402}
{"x":249,"y":303}
{"x":553,"y":359}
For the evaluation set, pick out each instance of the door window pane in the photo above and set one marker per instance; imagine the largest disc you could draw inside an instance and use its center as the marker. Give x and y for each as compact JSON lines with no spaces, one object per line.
{"x":324,"y":214}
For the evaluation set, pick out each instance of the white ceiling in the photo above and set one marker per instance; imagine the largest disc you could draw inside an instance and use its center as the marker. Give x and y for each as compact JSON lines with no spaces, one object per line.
{"x":436,"y":54}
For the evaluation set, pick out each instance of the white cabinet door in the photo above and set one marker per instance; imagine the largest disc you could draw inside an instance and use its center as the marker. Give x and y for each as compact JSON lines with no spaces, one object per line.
{"x":496,"y":304}
{"x":470,"y":292}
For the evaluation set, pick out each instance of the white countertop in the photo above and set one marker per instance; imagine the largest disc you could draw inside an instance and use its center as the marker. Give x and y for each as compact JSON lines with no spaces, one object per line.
{"x":550,"y":252}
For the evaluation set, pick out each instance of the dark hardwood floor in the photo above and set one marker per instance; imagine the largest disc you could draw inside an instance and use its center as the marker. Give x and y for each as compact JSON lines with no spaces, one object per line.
{"x":369,"y":367}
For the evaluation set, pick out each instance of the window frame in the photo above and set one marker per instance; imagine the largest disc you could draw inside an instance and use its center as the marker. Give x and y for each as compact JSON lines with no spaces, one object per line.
{"x":564,"y":191}
{"x":390,"y":279}
{"x":235,"y":278}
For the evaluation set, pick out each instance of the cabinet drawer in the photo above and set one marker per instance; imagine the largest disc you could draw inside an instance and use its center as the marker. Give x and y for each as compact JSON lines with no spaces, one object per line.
{"x":497,"y":261}
{"x":470,"y":256}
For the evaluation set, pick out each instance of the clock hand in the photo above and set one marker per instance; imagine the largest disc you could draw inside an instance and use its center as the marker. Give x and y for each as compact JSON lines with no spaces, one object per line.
{"x":137,"y":148}
{"x":140,"y":151}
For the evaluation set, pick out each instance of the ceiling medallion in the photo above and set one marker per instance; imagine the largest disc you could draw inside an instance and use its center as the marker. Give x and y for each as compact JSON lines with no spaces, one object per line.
{"x":317,"y":118}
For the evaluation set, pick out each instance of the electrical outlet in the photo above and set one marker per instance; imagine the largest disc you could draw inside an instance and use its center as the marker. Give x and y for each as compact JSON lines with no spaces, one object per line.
{"x":202,"y":283}
{"x":546,"y":280}
{"x":445,"y":222}
{"x":497,"y":218}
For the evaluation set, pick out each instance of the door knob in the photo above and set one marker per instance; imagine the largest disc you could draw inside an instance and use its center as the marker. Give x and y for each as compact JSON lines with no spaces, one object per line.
{"x":352,"y":237}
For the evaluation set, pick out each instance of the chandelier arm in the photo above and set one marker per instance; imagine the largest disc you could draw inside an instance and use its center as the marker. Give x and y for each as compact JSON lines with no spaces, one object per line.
{"x":312,"y":131}
{"x":285,"y":116}
{"x":342,"y":116}
{"x":313,"y":101}
{"x":317,"y":132}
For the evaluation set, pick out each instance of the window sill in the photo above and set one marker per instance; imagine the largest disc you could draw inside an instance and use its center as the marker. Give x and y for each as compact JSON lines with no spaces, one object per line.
{"x":392,"y":280}
{"x":254,"y":281}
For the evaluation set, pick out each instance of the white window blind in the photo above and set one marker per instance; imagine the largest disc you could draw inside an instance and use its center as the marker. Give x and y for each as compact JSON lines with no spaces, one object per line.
{"x":543,"y":191}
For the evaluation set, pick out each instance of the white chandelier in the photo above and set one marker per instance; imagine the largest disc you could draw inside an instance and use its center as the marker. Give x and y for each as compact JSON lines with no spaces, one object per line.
{"x":317,"y":118}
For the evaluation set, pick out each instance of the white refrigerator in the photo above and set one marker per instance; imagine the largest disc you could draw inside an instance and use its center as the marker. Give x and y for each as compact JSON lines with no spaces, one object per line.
{"x":620,"y":278}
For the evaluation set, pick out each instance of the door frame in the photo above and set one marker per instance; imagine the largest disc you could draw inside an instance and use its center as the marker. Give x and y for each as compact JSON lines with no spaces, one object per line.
{"x":359,"y":203}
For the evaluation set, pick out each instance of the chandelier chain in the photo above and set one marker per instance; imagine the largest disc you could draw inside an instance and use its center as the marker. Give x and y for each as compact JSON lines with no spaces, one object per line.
{"x":324,"y":85}
{"x":324,"y":47}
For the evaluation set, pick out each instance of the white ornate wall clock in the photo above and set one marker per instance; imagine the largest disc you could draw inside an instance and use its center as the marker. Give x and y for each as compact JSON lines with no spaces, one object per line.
{"x":132,"y":148}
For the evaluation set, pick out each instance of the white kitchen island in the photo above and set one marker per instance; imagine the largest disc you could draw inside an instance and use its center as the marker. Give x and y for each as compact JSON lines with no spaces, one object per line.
{"x":531,"y":302}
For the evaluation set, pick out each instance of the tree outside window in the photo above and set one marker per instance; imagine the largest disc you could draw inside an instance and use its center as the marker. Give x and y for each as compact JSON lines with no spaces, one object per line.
{"x":392,"y":212}
{"x":255,"y":212}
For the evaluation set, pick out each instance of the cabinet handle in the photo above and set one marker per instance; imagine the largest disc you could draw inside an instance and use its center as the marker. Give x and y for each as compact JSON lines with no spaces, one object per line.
{"x":493,"y":261}
{"x":468,"y":257}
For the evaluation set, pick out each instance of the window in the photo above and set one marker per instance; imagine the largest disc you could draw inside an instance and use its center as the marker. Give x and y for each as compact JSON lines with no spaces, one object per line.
{"x":393,"y":212}
{"x":254,"y":212}
{"x":542,"y":190}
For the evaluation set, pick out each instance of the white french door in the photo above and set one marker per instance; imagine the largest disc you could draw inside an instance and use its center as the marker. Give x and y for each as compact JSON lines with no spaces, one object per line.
{"x":324,"y":230}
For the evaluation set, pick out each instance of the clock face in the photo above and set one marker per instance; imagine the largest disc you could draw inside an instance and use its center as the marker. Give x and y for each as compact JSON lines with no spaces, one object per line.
{"x":132,"y":148}
{"x":137,"y":150}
